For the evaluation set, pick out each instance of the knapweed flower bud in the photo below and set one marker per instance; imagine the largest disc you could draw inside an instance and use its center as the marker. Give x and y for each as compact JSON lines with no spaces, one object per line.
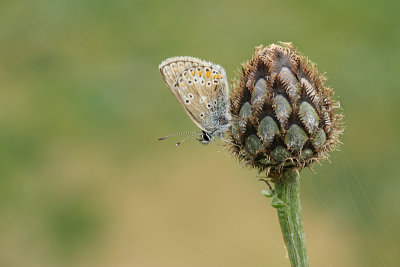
{"x":283,"y":115}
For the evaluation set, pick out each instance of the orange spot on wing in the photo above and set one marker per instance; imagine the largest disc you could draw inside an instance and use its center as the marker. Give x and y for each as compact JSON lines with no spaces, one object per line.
{"x":193,"y":73}
{"x":208,"y":73}
{"x":200,"y":72}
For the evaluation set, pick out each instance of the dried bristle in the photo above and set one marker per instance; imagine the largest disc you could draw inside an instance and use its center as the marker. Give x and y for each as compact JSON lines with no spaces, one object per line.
{"x":284,"y":116}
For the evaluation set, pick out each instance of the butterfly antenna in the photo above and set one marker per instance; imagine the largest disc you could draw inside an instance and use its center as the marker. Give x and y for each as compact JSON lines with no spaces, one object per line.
{"x":172,"y":135}
{"x":186,"y":138}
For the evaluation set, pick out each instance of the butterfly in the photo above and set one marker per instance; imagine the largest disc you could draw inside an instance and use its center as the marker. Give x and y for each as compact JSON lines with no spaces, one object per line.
{"x":201,"y":88}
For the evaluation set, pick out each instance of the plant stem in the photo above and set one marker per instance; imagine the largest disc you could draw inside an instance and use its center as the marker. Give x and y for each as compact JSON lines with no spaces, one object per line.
{"x":289,"y":214}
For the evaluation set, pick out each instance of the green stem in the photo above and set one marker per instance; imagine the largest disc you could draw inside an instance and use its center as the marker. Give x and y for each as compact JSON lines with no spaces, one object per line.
{"x":289,"y":214}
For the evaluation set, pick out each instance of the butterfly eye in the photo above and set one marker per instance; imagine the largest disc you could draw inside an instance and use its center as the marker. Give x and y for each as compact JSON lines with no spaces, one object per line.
{"x":206,"y":137}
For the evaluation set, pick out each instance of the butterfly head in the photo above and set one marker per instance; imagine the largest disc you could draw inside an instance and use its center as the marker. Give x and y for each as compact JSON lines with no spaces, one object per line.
{"x":207,"y":137}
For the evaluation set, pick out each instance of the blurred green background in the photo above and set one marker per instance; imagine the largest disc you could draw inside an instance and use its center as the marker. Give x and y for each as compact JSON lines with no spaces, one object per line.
{"x":83,"y":181}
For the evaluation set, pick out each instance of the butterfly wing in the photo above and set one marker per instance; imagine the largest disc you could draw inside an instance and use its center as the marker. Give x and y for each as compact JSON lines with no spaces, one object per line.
{"x":201,"y":88}
{"x":171,"y":69}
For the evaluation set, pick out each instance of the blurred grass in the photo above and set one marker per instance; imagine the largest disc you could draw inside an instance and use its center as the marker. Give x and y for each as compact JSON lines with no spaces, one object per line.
{"x":84,"y":183}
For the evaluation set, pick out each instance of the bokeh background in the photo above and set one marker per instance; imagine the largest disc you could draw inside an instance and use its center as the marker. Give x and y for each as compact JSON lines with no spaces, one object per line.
{"x":83,"y":181}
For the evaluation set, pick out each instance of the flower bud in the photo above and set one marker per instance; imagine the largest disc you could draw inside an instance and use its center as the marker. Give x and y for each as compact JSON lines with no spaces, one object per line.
{"x":284,"y":116}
